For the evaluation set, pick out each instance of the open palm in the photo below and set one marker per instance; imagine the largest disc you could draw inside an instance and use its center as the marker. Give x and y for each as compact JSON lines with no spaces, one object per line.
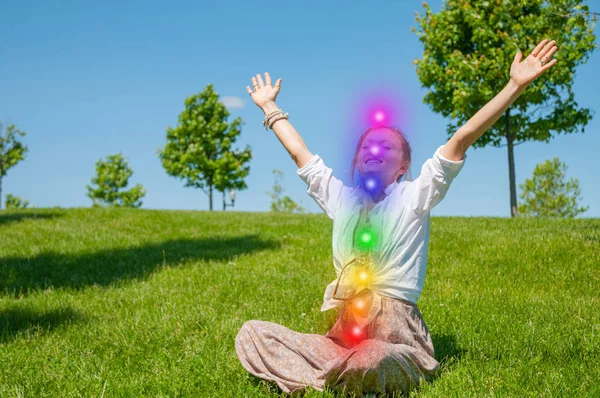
{"x":263,"y":93}
{"x":523,"y":73}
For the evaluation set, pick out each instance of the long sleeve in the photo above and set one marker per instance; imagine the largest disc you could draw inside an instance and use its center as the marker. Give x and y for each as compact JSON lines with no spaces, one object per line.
{"x":323,"y":187}
{"x":437,"y":173}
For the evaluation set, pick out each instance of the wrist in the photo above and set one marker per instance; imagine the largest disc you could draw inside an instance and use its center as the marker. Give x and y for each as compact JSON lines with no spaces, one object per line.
{"x":269,"y":107}
{"x":514,"y":87}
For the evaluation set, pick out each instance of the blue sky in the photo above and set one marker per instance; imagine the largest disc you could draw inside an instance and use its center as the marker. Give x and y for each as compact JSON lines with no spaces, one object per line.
{"x":90,"y":79}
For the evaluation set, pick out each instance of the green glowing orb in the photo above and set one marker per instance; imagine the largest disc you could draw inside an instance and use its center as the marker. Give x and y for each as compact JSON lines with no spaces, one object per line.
{"x":366,"y":238}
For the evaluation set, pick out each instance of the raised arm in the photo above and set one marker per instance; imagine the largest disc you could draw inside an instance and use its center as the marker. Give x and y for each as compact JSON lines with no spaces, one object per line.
{"x":264,"y":96}
{"x":322,"y":186}
{"x":521,"y":75}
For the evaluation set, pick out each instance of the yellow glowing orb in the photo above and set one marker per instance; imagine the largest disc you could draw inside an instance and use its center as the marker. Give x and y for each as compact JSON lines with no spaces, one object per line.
{"x":363,"y":275}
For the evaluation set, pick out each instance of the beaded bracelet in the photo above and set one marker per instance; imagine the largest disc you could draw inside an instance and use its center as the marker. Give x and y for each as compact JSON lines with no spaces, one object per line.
{"x":271,"y":118}
{"x":271,"y":115}
{"x":271,"y":122}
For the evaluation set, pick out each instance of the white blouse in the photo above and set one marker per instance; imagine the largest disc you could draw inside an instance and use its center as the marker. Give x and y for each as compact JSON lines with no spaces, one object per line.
{"x":402,"y":219}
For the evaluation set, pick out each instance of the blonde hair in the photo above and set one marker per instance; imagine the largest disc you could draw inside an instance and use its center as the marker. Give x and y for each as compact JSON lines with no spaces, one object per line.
{"x":406,"y":151}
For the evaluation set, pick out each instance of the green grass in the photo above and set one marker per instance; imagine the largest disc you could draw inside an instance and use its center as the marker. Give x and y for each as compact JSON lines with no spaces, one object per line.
{"x":130,"y":302}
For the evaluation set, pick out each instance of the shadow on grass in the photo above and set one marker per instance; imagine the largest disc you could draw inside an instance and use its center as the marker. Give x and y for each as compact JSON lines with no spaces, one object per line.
{"x":21,"y":321}
{"x":21,"y":276}
{"x":6,"y":218}
{"x":446,"y":350}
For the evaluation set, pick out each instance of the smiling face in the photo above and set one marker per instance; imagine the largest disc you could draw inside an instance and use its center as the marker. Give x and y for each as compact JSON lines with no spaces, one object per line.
{"x":381,"y":152}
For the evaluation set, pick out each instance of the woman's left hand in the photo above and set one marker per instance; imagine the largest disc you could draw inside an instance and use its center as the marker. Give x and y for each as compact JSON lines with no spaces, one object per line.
{"x":523,"y":73}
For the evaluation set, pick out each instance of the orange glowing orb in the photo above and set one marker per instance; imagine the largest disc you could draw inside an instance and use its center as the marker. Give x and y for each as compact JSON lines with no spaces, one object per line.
{"x":359,"y":304}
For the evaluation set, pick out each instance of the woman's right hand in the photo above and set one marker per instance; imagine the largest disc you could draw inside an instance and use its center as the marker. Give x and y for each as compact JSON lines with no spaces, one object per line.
{"x":263,"y":94}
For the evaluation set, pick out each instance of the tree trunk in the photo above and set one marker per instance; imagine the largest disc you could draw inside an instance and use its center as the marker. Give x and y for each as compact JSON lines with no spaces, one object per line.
{"x":210,"y":190}
{"x":0,"y":189}
{"x":511,"y":165}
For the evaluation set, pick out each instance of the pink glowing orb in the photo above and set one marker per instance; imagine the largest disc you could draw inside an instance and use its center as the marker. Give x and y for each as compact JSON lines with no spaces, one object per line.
{"x":356,"y":331}
{"x":379,"y":109}
{"x":375,"y":149}
{"x":378,"y":103}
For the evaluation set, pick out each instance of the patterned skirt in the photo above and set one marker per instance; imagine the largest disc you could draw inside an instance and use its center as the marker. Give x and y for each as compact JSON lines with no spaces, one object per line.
{"x":393,"y":353}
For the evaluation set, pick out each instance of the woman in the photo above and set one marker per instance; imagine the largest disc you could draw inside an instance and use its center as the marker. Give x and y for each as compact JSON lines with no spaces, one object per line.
{"x":380,"y":342}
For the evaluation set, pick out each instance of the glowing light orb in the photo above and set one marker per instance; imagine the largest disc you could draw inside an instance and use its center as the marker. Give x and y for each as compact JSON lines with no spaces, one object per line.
{"x":370,"y":184}
{"x":363,"y":276}
{"x":383,"y":101}
{"x":374,"y":149}
{"x":356,"y":331}
{"x":359,"y":304}
{"x":366,"y":237}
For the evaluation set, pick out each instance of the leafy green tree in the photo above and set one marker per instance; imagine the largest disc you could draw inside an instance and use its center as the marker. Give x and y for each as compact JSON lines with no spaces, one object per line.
{"x":15,"y":202}
{"x":547,"y":194}
{"x":12,"y":151}
{"x":112,"y":175}
{"x":279,"y":204}
{"x":199,"y":149}
{"x":468,"y":50}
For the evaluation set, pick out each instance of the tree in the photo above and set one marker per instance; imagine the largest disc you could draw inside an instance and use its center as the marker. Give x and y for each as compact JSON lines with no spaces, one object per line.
{"x":11,"y":151}
{"x":547,"y":194}
{"x":469,"y":47}
{"x":199,"y":150}
{"x":15,"y":202}
{"x":112,"y":175}
{"x":279,"y":204}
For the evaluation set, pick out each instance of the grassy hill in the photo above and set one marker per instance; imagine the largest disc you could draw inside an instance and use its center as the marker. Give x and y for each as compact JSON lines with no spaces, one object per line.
{"x":130,"y":302}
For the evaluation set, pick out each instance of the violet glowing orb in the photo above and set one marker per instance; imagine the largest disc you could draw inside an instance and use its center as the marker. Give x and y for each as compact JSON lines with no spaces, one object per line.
{"x":374,"y":104}
{"x":375,"y":149}
{"x":370,"y":184}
